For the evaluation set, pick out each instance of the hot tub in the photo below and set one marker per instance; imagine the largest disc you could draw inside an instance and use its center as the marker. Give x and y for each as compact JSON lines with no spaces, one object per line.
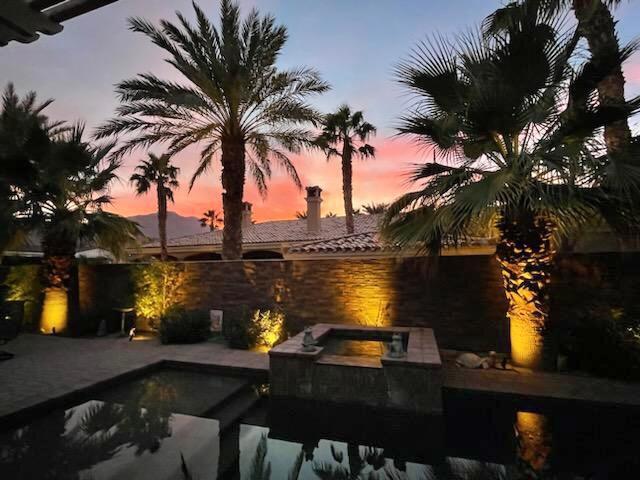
{"x":351,"y":365}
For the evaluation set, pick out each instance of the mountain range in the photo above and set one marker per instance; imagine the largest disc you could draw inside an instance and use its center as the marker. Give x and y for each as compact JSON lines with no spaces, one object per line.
{"x":177,"y":225}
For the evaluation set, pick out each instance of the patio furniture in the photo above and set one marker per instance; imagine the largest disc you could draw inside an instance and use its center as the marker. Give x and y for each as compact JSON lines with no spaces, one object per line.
{"x":123,"y":312}
{"x":10,"y":321}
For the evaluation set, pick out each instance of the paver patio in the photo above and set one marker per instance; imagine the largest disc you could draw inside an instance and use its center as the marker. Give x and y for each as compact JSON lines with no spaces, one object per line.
{"x":46,"y":368}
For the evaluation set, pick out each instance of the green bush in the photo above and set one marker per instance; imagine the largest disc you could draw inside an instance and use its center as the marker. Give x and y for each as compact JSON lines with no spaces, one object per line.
{"x":158,"y":289}
{"x":185,"y":326}
{"x":604,"y":343}
{"x":23,"y":285}
{"x":246,"y":328}
{"x":595,"y":318}
{"x":235,"y":327}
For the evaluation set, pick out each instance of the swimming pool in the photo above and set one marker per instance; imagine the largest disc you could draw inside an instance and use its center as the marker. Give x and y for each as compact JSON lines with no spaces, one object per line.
{"x":181,"y":424}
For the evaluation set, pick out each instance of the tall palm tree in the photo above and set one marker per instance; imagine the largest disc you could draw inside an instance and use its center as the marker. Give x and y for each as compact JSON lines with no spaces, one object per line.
{"x":158,"y":171}
{"x":211,"y":219}
{"x":597,"y":26}
{"x":344,"y":134}
{"x":235,"y":101}
{"x":497,"y":109}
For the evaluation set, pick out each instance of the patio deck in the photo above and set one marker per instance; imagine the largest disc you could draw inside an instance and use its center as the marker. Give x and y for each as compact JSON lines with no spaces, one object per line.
{"x":51,"y":370}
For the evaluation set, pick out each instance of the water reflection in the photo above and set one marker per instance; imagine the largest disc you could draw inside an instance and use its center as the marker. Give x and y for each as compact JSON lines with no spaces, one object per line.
{"x":354,"y":348}
{"x":140,"y":436}
{"x":265,"y":458}
{"x":98,"y":440}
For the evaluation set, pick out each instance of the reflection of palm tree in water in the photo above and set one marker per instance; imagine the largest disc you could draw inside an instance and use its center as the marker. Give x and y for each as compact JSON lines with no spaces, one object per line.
{"x":358,"y":460}
{"x":55,"y":447}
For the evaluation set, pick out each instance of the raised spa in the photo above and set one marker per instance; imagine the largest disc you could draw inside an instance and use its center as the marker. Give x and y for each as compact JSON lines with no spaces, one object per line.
{"x":353,"y":364}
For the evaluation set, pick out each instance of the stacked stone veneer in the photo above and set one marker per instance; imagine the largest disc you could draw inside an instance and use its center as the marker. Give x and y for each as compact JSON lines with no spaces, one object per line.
{"x":412,"y":383}
{"x":459,"y":297}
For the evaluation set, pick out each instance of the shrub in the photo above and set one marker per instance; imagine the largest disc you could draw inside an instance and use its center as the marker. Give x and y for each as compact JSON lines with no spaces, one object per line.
{"x":184,"y":326}
{"x":235,"y":327}
{"x":157,"y":289}
{"x":604,"y":343}
{"x":24,"y":285}
{"x":258,"y":328}
{"x":597,"y":326}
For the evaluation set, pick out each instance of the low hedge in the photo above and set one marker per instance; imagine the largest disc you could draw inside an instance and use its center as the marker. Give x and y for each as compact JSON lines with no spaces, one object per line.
{"x":185,"y":326}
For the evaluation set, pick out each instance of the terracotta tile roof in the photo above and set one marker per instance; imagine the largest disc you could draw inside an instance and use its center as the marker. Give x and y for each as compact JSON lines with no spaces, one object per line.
{"x":281,"y":231}
{"x":358,"y":242}
{"x":370,"y":242}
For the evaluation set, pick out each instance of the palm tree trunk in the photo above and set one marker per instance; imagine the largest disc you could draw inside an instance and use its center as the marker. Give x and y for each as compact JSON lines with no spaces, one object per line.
{"x":162,"y":221}
{"x":525,"y":257}
{"x":347,"y":189}
{"x":598,"y":28}
{"x":233,"y":171}
{"x":58,"y":263}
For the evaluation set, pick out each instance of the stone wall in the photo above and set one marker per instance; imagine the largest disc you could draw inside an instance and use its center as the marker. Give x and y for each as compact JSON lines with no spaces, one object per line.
{"x":459,"y":297}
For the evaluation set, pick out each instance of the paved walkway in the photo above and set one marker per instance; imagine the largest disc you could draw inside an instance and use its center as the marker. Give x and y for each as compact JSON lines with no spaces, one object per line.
{"x":49,"y":368}
{"x":523,"y":384}
{"x":46,"y":368}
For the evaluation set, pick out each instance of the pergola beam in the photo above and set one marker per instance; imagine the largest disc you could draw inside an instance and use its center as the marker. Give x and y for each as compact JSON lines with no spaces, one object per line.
{"x":22,"y":20}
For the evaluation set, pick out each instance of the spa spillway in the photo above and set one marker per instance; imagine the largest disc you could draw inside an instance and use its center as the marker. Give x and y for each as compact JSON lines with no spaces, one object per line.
{"x":352,"y":365}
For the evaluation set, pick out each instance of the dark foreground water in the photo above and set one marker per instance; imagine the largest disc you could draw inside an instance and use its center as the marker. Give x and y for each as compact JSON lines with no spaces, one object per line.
{"x":183,"y":425}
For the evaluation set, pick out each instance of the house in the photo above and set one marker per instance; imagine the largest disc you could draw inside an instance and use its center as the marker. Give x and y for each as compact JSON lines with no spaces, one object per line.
{"x":311,"y":237}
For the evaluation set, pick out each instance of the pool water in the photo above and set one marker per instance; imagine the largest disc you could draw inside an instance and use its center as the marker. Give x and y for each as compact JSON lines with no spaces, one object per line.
{"x":354,"y":348}
{"x":182,"y":425}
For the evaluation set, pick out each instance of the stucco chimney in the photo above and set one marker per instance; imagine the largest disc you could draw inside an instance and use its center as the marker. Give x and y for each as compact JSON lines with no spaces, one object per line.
{"x":314,"y":199}
{"x":246,"y":215}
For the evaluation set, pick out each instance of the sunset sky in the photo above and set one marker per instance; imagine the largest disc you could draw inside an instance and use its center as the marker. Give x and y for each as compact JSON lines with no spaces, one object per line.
{"x":354,"y":44}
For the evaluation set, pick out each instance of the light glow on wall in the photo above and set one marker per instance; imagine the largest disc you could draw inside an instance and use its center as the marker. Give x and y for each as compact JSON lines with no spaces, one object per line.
{"x":55,"y":310}
{"x":368,"y":299}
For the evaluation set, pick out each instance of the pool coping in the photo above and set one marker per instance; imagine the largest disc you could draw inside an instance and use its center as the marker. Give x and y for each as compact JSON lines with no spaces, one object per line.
{"x":422,"y":348}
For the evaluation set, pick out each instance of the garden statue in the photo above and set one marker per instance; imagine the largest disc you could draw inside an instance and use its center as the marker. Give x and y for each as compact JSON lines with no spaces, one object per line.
{"x":396,"y":347}
{"x":308,"y":342}
{"x":471,"y":360}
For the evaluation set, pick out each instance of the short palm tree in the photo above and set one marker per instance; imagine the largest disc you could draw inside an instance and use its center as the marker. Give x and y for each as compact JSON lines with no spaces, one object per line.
{"x":25,"y":132}
{"x":235,"y":102}
{"x":211,"y":219}
{"x":344,"y":134}
{"x":158,"y":171}
{"x":66,"y":204}
{"x":520,"y":129}
{"x":597,"y":26}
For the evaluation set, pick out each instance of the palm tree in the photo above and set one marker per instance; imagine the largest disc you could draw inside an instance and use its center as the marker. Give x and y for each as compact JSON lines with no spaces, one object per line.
{"x":25,"y":132}
{"x":497,"y":109}
{"x":344,"y":134}
{"x":375,"y":208}
{"x":211,"y":219}
{"x":597,"y":26}
{"x":158,"y":171}
{"x":236,"y":102}
{"x":66,"y":204}
{"x":301,"y":215}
